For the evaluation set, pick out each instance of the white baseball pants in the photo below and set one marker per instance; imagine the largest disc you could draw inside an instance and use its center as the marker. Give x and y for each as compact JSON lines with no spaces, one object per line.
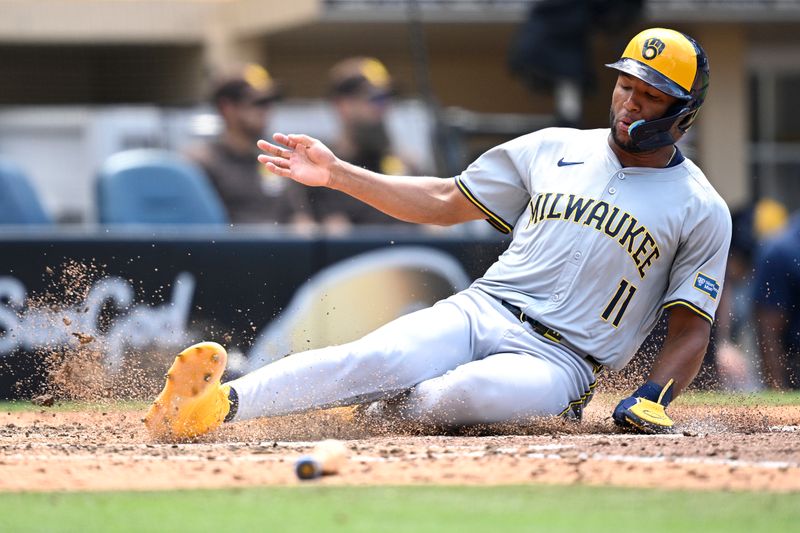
{"x":465,"y":360}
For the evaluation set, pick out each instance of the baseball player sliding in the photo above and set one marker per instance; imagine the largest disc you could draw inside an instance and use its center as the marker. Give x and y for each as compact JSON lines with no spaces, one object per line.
{"x":610,"y":228}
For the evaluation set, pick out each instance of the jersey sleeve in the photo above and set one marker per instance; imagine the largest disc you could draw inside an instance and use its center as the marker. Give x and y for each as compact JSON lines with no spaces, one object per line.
{"x":699,"y":267}
{"x":495,"y":183}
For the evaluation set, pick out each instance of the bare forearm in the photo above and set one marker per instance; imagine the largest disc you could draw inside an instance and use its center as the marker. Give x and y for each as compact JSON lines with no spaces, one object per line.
{"x":683,"y":351}
{"x":679,"y":361}
{"x":423,"y":200}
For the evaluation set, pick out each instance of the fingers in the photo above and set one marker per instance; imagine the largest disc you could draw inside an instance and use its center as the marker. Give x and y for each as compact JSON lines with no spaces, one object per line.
{"x":278,"y":171}
{"x":274,"y":150}
{"x":293,"y":139}
{"x":280,"y":138}
{"x":266,"y":146}
{"x":277,"y":161}
{"x":276,"y":158}
{"x":286,"y":140}
{"x":298,"y":138}
{"x":277,"y":165}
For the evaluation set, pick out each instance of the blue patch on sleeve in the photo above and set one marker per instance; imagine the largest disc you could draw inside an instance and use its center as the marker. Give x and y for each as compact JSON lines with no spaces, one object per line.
{"x":707,"y":285}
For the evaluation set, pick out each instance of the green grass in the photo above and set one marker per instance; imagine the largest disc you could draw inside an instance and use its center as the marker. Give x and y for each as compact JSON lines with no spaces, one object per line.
{"x":739,"y":398}
{"x":16,"y":406}
{"x":403,"y":509}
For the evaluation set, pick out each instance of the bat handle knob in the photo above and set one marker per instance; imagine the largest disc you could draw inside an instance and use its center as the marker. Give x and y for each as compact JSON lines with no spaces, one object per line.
{"x":308,"y":468}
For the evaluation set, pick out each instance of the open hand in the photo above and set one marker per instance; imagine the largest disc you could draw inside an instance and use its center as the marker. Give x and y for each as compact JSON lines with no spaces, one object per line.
{"x":305,"y":159}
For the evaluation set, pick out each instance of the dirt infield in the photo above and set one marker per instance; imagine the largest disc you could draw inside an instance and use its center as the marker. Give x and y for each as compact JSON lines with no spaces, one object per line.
{"x":736,"y":448}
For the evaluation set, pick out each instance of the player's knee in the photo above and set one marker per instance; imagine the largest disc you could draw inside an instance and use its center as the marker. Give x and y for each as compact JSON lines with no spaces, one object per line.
{"x":465,"y":400}
{"x":470,"y":398}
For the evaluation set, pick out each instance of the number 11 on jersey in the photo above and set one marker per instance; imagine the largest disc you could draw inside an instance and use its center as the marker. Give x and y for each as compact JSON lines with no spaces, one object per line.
{"x":620,"y":302}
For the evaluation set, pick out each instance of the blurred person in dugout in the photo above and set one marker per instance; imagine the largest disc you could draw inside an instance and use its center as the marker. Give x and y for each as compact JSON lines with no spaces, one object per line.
{"x":360,"y":90}
{"x":737,"y":353}
{"x":243,"y":97}
{"x":776,"y":297}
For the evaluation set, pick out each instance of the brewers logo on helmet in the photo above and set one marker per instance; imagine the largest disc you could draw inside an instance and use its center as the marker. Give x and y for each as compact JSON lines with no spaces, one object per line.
{"x":652,"y":47}
{"x":675,"y":64}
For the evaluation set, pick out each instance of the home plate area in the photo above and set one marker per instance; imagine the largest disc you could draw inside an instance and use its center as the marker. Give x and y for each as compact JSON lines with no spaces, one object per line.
{"x":742,"y":448}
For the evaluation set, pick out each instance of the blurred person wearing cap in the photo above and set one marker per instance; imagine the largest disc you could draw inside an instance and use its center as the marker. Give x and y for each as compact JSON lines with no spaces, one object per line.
{"x":243,"y":97}
{"x":734,"y":339}
{"x":776,"y":295}
{"x":360,"y":91}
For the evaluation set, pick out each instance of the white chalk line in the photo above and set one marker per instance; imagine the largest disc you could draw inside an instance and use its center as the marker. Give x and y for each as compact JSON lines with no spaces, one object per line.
{"x":784,"y":429}
{"x":529,"y":452}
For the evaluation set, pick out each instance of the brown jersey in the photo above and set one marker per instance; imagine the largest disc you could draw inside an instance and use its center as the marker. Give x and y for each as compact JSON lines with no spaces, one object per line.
{"x":251,"y":194}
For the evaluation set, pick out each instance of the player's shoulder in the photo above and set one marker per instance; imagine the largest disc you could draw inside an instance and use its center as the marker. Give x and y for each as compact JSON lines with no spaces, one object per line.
{"x":705,"y":191}
{"x":707,"y":202}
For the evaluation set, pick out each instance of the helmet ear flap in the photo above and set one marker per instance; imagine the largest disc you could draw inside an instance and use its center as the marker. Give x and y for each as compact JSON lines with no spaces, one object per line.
{"x":687,"y":121}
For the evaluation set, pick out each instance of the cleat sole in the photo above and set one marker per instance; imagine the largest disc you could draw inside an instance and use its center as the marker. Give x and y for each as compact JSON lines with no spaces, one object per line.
{"x":178,"y":412}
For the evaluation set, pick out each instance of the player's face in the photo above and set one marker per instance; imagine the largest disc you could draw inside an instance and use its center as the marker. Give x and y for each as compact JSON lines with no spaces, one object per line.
{"x":634,"y":100}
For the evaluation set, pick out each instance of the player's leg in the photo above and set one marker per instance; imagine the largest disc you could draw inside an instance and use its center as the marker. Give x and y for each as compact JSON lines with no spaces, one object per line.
{"x":521,"y":375}
{"x":395,"y":357}
{"x":408,"y":350}
{"x":506,"y":387}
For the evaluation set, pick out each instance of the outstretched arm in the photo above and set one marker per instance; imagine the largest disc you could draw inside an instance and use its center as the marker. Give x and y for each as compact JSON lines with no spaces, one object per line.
{"x":424,"y":200}
{"x":674,"y":369}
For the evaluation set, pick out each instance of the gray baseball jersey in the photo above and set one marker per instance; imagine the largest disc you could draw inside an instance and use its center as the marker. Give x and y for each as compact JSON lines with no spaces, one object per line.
{"x":598,"y":250}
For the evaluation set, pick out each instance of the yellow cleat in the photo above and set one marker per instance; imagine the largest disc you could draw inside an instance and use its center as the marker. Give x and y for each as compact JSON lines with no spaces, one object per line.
{"x":193,"y":402}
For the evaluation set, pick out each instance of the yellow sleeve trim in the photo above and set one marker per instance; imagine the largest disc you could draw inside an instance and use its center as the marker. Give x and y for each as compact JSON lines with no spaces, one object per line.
{"x":497,"y":223}
{"x":691,"y":306}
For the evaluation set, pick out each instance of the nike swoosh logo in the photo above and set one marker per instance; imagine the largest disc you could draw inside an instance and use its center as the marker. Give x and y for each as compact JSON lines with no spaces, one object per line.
{"x":563,"y":163}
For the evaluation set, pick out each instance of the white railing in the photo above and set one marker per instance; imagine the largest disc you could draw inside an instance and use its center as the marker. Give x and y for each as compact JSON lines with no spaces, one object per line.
{"x":429,"y":10}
